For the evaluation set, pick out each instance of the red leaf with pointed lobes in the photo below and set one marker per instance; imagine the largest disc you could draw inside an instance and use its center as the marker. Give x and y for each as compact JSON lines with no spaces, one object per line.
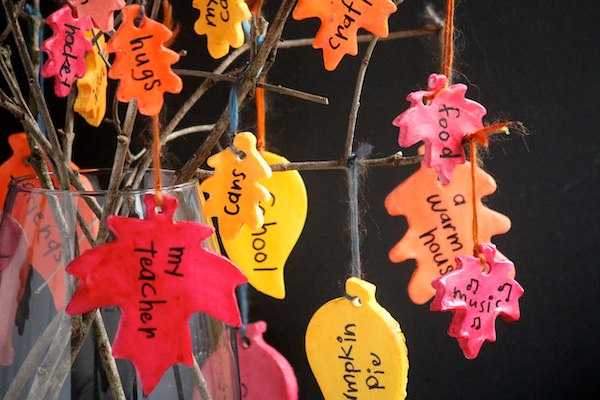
{"x":101,"y":11}
{"x":477,"y":298}
{"x":159,"y":274}
{"x":66,"y":49}
{"x":441,"y":117}
{"x":340,"y":20}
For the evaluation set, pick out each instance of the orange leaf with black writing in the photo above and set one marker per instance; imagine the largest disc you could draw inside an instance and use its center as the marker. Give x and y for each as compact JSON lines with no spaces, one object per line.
{"x":340,"y":20}
{"x":142,"y":63}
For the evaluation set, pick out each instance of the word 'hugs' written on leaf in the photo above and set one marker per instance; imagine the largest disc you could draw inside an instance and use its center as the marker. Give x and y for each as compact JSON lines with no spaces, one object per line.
{"x":159,"y":274}
{"x":142,"y":63}
{"x":66,"y":49}
{"x":234,"y":190}
{"x":340,"y":20}
{"x":476,"y":298}
{"x":441,"y":117}
{"x":221,"y":22}
{"x":356,"y":349}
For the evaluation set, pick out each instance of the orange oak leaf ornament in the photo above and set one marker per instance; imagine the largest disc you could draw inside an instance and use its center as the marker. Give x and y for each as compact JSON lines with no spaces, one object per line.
{"x":91,"y":89}
{"x":66,"y":49}
{"x":261,"y":363}
{"x":234,"y":190}
{"x":142,"y":63}
{"x":221,"y":22}
{"x":159,"y":274}
{"x":340,"y":20}
{"x":356,"y":349}
{"x":100,"y":11}
{"x":476,"y":298}
{"x":440,"y":223}
{"x":441,"y":117}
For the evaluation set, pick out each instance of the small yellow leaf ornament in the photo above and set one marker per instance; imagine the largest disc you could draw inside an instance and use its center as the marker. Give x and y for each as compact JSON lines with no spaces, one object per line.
{"x":356,"y":349}
{"x":221,"y":22}
{"x":91,"y":88}
{"x":234,"y":189}
{"x":262,"y":253}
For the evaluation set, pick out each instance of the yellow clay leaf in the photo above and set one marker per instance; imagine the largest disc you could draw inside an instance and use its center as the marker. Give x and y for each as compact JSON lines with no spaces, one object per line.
{"x":91,"y":88}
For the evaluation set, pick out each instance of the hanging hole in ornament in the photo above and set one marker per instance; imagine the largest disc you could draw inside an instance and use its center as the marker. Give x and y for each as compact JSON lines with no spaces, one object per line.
{"x":139,"y":19}
{"x":355,"y":300}
{"x":159,"y":210}
{"x":27,"y":160}
{"x":246,"y":343}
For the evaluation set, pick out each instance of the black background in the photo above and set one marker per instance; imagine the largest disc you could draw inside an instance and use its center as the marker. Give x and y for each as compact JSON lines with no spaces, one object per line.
{"x":532,"y":61}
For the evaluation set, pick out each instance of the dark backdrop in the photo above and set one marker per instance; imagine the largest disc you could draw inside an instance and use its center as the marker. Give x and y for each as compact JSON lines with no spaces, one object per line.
{"x":533,"y":61}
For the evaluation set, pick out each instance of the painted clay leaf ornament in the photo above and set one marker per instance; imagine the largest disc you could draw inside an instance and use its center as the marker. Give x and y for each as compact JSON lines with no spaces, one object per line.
{"x":340,"y":20}
{"x":158,"y":273}
{"x":476,"y":298}
{"x":91,"y":89}
{"x":34,"y":213}
{"x":262,"y":253}
{"x":440,"y":223}
{"x":261,"y":363}
{"x":234,"y":190}
{"x":142,"y":63}
{"x":100,"y":11}
{"x":440,"y":116}
{"x":221,"y":22}
{"x":356,"y":349}
{"x":66,"y":49}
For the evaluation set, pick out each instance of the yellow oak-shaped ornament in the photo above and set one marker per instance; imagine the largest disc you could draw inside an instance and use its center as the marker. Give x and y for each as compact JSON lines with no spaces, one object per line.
{"x":356,"y":349}
{"x":262,"y":253}
{"x":234,"y":189}
{"x":221,"y":22}
{"x":91,"y":88}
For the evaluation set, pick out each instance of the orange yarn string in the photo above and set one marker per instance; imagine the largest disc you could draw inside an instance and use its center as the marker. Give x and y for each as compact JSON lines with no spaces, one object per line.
{"x":448,"y":56}
{"x":156,"y":159}
{"x":260,"y":117}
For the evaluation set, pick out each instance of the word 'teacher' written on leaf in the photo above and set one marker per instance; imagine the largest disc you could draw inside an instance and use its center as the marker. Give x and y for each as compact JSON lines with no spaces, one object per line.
{"x":440,"y":223}
{"x":66,"y":49}
{"x":221,"y":22}
{"x":91,"y":89}
{"x":158,"y":273}
{"x":340,"y":20}
{"x":477,"y":298}
{"x":142,"y":63}
{"x":234,"y":189}
{"x":262,"y":253}
{"x":264,"y":372}
{"x":356,"y":349}
{"x":441,"y":117}
{"x":100,"y":11}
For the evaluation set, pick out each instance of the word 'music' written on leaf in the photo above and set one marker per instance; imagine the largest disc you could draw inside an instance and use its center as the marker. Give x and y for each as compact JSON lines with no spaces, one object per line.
{"x":66,"y":49}
{"x":159,"y":274}
{"x":340,"y":20}
{"x":356,"y":349}
{"x":142,"y":63}
{"x":221,"y":22}
{"x":441,"y":117}
{"x":440,"y":223}
{"x":101,"y":11}
{"x":476,"y":298}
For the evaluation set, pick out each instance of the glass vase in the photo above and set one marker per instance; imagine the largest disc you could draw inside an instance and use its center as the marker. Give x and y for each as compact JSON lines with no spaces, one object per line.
{"x":44,"y":353}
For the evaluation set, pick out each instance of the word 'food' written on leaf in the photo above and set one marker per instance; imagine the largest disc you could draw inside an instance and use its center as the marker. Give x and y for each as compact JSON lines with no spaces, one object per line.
{"x":441,"y":117}
{"x":91,"y":89}
{"x":262,"y":253}
{"x":100,"y":11}
{"x":66,"y":49}
{"x":158,"y":273}
{"x":440,"y":223}
{"x":142,"y":63}
{"x":340,"y":20}
{"x":221,"y":22}
{"x":234,"y":189}
{"x":476,"y":298}
{"x":356,"y":349}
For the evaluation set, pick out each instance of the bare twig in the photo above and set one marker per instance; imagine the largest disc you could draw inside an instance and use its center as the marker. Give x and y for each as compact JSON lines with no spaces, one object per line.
{"x":200,"y":381}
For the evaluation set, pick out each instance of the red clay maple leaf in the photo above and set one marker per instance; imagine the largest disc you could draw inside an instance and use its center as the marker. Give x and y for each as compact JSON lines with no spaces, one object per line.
{"x":101,"y":11}
{"x":159,"y":274}
{"x":440,"y":116}
{"x":477,"y":298}
{"x":143,"y":64}
{"x":66,"y":49}
{"x":340,"y":20}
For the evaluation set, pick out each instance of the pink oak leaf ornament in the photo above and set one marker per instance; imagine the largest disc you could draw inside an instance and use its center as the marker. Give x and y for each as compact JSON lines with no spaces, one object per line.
{"x":100,"y":11}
